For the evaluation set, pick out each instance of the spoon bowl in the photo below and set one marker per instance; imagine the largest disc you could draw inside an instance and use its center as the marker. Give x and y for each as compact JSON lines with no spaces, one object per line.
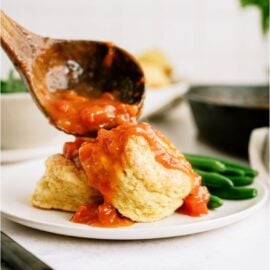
{"x":88,"y":68}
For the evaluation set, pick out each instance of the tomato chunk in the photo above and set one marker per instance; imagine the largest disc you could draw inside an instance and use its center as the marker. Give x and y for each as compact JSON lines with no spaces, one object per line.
{"x":195,"y":204}
{"x":103,"y":215}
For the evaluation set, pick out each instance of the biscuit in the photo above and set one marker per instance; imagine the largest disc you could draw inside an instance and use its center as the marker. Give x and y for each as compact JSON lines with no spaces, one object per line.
{"x":63,"y":186}
{"x":156,"y":67}
{"x":138,"y":171}
{"x":157,"y":58}
{"x":147,"y":191}
{"x":154,"y":76}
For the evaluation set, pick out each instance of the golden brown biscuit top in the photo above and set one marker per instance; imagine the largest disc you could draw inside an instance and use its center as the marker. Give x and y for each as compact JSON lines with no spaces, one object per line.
{"x":104,"y":158}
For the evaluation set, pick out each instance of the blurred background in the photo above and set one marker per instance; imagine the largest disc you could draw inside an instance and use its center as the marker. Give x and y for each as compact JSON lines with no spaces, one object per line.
{"x":206,"y":41}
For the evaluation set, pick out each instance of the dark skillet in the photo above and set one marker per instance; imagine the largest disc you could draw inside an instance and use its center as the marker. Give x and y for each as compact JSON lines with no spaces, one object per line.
{"x":226,"y":115}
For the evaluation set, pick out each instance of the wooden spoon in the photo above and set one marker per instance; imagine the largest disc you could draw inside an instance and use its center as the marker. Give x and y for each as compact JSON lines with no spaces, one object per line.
{"x":89,"y":68}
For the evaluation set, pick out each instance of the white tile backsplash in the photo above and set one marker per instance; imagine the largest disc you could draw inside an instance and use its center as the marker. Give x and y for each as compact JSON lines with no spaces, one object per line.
{"x":209,"y":41}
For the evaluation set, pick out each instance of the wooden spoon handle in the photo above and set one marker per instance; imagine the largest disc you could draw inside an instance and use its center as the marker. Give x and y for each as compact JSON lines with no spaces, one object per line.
{"x":21,"y":45}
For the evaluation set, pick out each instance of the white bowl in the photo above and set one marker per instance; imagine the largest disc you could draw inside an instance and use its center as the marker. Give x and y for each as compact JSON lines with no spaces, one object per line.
{"x":23,"y":125}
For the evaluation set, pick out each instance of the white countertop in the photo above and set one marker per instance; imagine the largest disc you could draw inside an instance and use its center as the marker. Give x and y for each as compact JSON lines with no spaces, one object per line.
{"x":244,"y":245}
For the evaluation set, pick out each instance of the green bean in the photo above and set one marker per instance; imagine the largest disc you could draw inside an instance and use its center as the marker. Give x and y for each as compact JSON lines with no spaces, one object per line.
{"x":214,"y":202}
{"x":241,"y":180}
{"x":235,"y":193}
{"x":212,"y":179}
{"x":248,"y":171}
{"x":201,"y":163}
{"x":230,"y":171}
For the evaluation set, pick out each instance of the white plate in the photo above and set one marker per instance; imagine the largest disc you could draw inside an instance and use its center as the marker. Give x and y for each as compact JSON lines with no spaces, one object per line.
{"x":18,"y":183}
{"x":157,"y":99}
